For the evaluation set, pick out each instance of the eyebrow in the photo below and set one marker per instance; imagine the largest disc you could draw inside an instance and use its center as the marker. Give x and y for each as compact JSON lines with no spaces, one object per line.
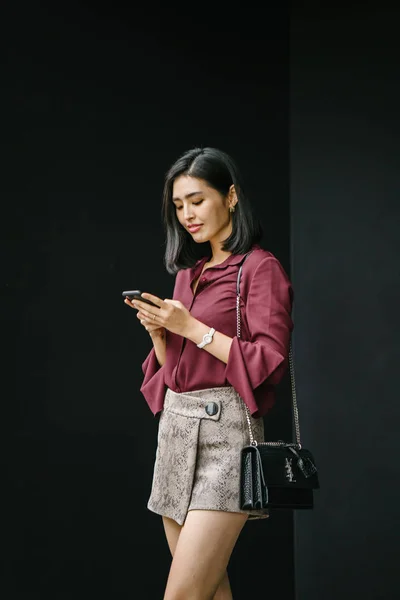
{"x":187,"y":196}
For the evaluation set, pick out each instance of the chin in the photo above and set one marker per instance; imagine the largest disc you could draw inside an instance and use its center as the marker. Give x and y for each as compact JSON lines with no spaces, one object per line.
{"x":199,"y":238}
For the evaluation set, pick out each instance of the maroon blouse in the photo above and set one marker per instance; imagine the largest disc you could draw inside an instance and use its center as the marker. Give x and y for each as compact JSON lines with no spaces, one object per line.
{"x":257,"y":360}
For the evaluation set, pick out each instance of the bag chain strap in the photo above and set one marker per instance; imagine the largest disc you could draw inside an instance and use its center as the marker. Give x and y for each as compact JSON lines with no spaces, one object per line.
{"x":295,"y":413}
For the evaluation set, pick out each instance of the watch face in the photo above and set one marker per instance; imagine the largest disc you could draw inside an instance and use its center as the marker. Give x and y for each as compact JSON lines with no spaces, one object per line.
{"x":207,"y":338}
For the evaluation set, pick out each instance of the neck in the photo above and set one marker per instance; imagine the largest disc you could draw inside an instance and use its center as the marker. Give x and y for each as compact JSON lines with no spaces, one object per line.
{"x":218,"y":255}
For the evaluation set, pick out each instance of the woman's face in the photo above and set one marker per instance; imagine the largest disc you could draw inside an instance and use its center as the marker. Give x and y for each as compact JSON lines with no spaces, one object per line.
{"x":197,"y":204}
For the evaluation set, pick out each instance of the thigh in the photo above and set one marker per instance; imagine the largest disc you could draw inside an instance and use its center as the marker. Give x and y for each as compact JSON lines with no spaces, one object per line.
{"x":172,"y":530}
{"x":202,"y":554}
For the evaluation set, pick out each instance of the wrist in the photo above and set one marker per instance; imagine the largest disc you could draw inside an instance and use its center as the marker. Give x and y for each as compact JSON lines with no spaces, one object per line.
{"x":157,"y":334}
{"x":196,"y":330}
{"x":207,"y":338}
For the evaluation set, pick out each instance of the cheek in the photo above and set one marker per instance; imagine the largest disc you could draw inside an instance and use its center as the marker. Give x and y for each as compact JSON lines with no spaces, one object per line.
{"x":219,"y":217}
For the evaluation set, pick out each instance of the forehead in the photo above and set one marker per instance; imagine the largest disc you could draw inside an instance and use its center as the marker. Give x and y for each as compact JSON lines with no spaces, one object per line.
{"x":185,"y":186}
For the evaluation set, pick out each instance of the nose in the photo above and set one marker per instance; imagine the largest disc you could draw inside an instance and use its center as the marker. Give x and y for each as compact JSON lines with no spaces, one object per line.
{"x":187,"y":212}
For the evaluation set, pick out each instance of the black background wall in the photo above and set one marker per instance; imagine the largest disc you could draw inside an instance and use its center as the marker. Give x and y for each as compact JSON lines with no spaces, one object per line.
{"x":345,"y":98}
{"x":97,"y":101}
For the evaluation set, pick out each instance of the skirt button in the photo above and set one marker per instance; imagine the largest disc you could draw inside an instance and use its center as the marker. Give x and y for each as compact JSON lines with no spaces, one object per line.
{"x":211,"y":408}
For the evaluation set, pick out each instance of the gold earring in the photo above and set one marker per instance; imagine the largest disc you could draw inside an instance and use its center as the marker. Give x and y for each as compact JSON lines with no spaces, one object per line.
{"x":232,"y":209}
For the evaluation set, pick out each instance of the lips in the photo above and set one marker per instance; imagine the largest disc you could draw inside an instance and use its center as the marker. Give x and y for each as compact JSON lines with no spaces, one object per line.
{"x":194,"y":228}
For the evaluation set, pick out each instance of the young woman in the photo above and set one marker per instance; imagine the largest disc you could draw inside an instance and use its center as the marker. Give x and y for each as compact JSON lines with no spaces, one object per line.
{"x":199,"y":373}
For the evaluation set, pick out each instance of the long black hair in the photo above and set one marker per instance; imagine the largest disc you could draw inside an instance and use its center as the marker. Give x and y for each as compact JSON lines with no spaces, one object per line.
{"x":219,"y":171}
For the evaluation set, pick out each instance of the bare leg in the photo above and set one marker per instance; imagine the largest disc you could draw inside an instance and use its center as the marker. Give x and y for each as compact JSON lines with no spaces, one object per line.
{"x":172,"y":532}
{"x":201,"y":556}
{"x":224,"y":591}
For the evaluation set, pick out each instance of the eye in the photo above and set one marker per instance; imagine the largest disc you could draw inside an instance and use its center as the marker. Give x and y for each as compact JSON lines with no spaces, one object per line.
{"x":195,"y":204}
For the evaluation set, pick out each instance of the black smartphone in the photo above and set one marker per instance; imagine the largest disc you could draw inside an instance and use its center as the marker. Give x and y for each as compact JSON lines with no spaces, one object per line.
{"x":137,"y":294}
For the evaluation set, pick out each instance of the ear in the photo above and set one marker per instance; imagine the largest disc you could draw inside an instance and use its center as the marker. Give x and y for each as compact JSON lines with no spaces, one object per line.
{"x":232,"y":196}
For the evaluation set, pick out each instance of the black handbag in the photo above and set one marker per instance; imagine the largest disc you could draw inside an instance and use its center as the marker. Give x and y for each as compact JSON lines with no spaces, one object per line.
{"x":276,"y":474}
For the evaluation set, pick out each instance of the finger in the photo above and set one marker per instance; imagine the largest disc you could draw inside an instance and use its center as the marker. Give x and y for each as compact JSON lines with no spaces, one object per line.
{"x":145,"y":323}
{"x":143,"y":315}
{"x":144,"y":307}
{"x":155,"y":299}
{"x":149,"y":316}
{"x":145,"y":320}
{"x":128,"y":302}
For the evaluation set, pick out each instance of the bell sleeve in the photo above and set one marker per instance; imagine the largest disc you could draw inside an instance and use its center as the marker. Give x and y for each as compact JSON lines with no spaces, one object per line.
{"x":262,"y":359}
{"x":153,"y":385}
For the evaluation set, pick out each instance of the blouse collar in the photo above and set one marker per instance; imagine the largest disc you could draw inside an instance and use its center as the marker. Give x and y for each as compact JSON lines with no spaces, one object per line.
{"x":232,"y":259}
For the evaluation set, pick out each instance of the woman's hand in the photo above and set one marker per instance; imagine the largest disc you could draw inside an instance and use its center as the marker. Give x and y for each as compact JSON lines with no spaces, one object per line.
{"x":171,"y":314}
{"x":151,"y":327}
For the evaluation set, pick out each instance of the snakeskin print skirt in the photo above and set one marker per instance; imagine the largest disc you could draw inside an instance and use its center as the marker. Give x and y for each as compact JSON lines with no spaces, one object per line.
{"x":197,"y":464}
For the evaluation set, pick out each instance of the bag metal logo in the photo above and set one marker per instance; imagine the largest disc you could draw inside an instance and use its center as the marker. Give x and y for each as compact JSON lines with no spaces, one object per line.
{"x":289,"y":471}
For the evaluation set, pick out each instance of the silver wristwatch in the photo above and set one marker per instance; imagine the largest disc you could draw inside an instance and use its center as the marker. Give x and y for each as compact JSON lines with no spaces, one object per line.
{"x":207,"y":338}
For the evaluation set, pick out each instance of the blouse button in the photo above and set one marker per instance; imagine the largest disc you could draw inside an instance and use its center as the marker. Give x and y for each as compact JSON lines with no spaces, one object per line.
{"x":203,"y":279}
